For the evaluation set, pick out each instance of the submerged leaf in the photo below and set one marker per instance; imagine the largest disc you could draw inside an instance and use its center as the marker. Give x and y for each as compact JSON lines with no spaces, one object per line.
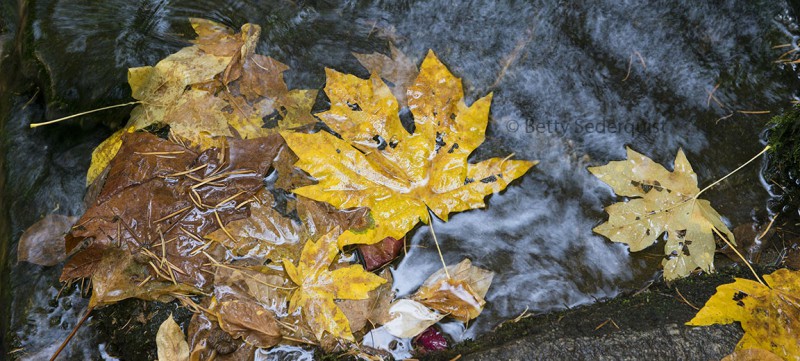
{"x":171,"y":343}
{"x":43,"y":242}
{"x":661,"y":201}
{"x":319,"y":286}
{"x":398,"y":69}
{"x":769,"y":314}
{"x":399,"y":176}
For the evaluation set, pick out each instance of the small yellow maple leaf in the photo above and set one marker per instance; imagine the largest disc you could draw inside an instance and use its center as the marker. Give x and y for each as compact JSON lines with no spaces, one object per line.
{"x":319,"y":287}
{"x":399,"y":175}
{"x":769,"y":314}
{"x":661,"y":201}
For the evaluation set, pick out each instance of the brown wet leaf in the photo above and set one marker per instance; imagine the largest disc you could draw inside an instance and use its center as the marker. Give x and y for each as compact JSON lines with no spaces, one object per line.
{"x":161,"y":198}
{"x":379,"y":254}
{"x":249,"y":321}
{"x":206,"y":337}
{"x":268,"y":234}
{"x":43,"y":242}
{"x":171,"y":342}
{"x":462,"y":295}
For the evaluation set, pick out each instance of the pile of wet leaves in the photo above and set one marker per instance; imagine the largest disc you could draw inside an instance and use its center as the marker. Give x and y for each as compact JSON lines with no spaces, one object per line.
{"x":273,"y":225}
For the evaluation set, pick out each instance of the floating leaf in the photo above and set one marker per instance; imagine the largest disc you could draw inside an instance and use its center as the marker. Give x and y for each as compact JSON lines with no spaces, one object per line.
{"x":661,"y":201}
{"x":410,"y":318}
{"x":373,"y":310}
{"x":769,"y":314}
{"x":43,"y":242}
{"x":319,"y":286}
{"x":461,"y":295}
{"x":398,"y":175}
{"x":170,"y":342}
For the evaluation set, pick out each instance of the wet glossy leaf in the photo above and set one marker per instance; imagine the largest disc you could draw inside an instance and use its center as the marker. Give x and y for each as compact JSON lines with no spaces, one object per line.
{"x":249,"y":321}
{"x":207,"y":338}
{"x":379,"y":254}
{"x":460,"y":296}
{"x":398,"y":175}
{"x":43,"y":242}
{"x":161,"y":198}
{"x":319,"y":286}
{"x":410,"y":318}
{"x":217,"y":87}
{"x":372,"y":311}
{"x":661,"y":201}
{"x":770,"y":316}
{"x":171,"y":343}
{"x":102,"y":155}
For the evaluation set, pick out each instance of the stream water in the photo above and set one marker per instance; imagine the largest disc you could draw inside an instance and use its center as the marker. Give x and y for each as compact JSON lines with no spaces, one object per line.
{"x":561,"y":72}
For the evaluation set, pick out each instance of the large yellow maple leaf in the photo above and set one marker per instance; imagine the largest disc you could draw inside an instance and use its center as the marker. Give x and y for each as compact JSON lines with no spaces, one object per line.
{"x":661,"y":201}
{"x":399,"y":175}
{"x":769,"y":314}
{"x":319,"y":287}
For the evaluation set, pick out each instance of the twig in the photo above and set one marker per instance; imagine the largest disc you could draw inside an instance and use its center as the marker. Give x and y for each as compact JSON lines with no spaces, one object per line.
{"x":72,"y":334}
{"x":685,"y":300}
{"x":436,"y":241}
{"x":34,"y":125}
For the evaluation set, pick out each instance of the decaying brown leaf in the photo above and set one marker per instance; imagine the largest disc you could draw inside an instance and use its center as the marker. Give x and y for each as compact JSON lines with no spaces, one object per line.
{"x":161,"y":198}
{"x":248,"y":320}
{"x":43,"y":242}
{"x":372,"y":311}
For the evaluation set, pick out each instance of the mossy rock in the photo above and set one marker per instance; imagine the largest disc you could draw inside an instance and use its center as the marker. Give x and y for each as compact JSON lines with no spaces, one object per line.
{"x":783,"y":168}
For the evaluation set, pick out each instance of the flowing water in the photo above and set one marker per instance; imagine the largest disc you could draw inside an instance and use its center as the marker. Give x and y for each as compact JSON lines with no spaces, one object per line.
{"x":573,"y":83}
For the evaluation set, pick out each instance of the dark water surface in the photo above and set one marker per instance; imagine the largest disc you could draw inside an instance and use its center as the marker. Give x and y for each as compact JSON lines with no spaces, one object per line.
{"x":559,"y":72}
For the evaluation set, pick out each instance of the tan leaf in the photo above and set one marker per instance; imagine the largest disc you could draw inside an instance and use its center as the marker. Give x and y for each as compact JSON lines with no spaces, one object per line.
{"x":249,"y":321}
{"x":410,"y":318}
{"x":460,"y":296}
{"x":171,"y":342}
{"x":661,"y":201}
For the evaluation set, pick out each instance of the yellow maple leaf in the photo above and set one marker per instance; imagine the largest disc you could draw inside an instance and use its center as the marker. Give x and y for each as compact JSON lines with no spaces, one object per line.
{"x":216,"y":87}
{"x":661,"y":201}
{"x":399,"y":175}
{"x":769,"y":314}
{"x":319,"y":287}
